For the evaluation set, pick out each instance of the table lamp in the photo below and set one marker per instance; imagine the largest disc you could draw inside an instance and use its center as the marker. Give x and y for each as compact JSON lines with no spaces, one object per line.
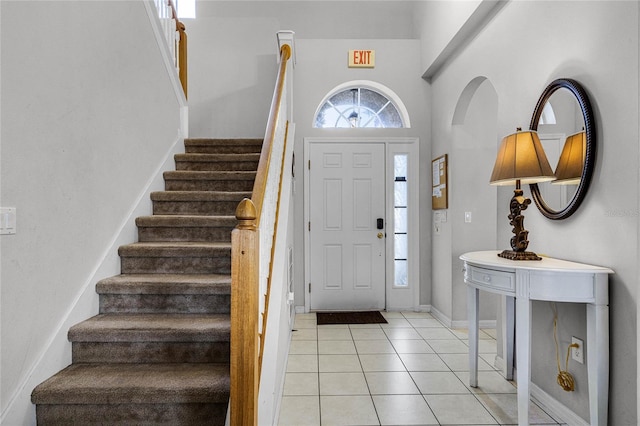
{"x":521,"y":160}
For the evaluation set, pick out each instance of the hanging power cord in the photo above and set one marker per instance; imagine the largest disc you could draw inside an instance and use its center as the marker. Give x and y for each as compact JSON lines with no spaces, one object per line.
{"x":565,"y":379}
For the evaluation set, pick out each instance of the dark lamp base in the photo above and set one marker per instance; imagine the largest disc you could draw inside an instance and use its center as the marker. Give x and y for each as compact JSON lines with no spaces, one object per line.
{"x":519,"y":255}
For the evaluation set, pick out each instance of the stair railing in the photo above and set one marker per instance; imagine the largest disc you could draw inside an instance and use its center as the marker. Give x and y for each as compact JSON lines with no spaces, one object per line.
{"x":174,"y":33}
{"x":252,"y":243}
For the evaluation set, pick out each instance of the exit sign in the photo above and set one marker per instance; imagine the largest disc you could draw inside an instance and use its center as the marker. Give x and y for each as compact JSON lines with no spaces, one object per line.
{"x":362,"y":58}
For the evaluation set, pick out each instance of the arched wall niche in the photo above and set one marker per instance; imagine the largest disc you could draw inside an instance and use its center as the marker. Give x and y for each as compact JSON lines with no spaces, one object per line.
{"x":472,"y":214}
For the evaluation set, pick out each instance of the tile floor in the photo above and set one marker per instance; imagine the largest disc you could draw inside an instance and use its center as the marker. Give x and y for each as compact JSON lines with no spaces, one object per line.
{"x":411,"y":371}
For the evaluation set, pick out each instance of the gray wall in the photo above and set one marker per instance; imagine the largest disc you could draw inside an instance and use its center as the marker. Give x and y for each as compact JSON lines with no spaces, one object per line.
{"x":526,"y":46}
{"x":88,"y":117}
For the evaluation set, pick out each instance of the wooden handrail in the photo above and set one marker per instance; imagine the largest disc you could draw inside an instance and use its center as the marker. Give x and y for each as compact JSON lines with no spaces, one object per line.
{"x":180,"y":48}
{"x":260,"y":183}
{"x":247,"y":340}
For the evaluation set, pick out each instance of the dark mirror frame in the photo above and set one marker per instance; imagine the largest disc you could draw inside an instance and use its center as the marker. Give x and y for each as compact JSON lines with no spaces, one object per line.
{"x":589,"y":164}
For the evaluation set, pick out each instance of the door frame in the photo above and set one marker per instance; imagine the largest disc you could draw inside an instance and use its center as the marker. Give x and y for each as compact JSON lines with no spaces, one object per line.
{"x":396,"y":298}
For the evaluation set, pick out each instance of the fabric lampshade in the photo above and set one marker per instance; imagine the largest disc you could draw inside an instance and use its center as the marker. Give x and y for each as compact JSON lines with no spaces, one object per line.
{"x":522,"y":158}
{"x":571,"y":162}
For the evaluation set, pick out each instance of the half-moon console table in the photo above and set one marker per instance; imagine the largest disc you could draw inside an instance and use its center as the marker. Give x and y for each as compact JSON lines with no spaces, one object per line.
{"x":551,"y":280}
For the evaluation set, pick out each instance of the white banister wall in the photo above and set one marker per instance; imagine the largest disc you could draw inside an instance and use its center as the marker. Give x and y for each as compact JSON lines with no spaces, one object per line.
{"x":168,"y":23}
{"x":276,"y":209}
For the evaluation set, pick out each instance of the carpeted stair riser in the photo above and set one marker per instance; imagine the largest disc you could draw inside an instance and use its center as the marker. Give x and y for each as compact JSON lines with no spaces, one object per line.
{"x":171,"y":394}
{"x":197,"y":203}
{"x":150,"y":352}
{"x":173,"y":303}
{"x":223,"y":146}
{"x":185,"y":228}
{"x":158,"y":352}
{"x":217,"y":162}
{"x":133,"y":414}
{"x":150,"y":338}
{"x":203,"y":259}
{"x":208,"y":181}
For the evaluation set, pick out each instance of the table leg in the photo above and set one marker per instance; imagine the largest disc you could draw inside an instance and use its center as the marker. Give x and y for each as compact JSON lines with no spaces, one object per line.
{"x":523,"y":342}
{"x":472,"y":317}
{"x":598,"y":362}
{"x":509,"y":336}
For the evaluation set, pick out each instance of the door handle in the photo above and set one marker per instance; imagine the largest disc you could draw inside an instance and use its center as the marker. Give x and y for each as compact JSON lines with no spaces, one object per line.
{"x":380,"y":235}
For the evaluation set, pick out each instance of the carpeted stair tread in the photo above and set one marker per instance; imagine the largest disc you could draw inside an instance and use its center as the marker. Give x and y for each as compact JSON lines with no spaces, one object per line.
{"x":152,"y":328}
{"x":217,"y":162}
{"x":181,"y":383}
{"x":200,"y":195}
{"x":174,"y":249}
{"x":210,"y":175}
{"x":165,"y":284}
{"x":217,"y":158}
{"x":222,"y":146}
{"x":186,"y":221}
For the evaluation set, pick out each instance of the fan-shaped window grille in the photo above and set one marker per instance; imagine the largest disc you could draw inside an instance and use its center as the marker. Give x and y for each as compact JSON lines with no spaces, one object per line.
{"x":359,"y":107}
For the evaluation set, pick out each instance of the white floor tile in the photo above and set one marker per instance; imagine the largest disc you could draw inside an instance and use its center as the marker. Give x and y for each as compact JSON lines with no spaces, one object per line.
{"x":299,"y":324}
{"x":459,"y":410}
{"x":449,"y":346}
{"x":302,"y":364}
{"x":300,"y":384}
{"x":391,"y":383}
{"x":417,"y":315}
{"x":403,"y":410}
{"x":368,"y":334}
{"x":396,"y":323}
{"x":348,"y":410}
{"x":402,"y":333}
{"x":460,"y":362}
{"x":411,"y":347}
{"x":423,"y":362}
{"x":381,"y":362}
{"x":304,"y":334}
{"x":488,"y":382}
{"x":436,"y":333}
{"x":334,"y":334}
{"x":339,"y":363}
{"x":299,"y":411}
{"x":439,"y":382}
{"x":343,"y":384}
{"x":336,"y":347}
{"x":303,"y":347}
{"x":374,"y":347}
{"x":425,"y":322}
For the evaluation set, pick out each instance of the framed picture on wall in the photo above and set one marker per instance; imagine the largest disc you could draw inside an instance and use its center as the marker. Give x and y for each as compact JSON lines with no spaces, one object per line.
{"x":439,"y":199}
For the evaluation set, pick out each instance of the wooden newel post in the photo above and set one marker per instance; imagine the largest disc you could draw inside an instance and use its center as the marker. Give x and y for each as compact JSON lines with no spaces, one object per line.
{"x":245,"y":244}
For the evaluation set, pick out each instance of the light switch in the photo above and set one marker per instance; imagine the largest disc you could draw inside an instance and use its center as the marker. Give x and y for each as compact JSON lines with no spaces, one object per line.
{"x":7,"y":220}
{"x":467,"y":217}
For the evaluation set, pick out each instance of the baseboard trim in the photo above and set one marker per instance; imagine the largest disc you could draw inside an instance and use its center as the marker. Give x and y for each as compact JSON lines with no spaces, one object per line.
{"x":461,"y":323}
{"x":554,"y":408}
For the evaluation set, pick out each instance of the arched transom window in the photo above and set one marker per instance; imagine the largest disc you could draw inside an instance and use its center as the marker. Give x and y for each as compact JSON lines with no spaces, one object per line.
{"x":361,"y":106}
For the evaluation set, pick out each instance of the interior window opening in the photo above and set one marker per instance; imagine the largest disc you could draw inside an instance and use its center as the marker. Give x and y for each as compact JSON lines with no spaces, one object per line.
{"x":359,"y":107}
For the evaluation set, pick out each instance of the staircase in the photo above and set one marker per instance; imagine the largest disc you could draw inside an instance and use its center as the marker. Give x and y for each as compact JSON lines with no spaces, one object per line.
{"x":158,"y":351}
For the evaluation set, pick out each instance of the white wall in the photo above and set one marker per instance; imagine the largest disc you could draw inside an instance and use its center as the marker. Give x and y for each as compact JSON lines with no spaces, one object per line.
{"x":233,"y":65}
{"x":526,"y":46}
{"x":88,"y":117}
{"x":322,"y":65}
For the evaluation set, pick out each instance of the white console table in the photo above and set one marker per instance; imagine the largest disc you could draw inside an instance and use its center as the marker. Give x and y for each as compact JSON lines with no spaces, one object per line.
{"x":551,"y":280}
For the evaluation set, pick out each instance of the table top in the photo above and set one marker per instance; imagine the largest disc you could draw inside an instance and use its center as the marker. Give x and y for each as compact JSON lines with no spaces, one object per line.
{"x":490,"y":258}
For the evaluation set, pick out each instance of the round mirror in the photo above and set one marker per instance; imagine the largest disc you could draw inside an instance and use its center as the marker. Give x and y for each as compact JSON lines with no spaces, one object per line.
{"x":564,"y":121}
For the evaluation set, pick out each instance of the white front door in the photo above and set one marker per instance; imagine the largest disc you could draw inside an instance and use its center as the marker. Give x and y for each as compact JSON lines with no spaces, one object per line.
{"x":347,"y":226}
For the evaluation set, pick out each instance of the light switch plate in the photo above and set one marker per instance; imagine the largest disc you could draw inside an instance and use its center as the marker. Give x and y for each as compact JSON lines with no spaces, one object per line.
{"x":7,"y":220}
{"x":467,"y":217}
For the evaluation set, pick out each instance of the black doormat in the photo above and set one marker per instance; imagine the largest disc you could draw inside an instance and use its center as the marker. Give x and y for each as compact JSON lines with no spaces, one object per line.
{"x":368,"y":317}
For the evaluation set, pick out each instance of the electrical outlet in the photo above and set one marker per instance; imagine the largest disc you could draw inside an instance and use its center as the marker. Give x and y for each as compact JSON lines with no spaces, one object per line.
{"x":577,"y":354}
